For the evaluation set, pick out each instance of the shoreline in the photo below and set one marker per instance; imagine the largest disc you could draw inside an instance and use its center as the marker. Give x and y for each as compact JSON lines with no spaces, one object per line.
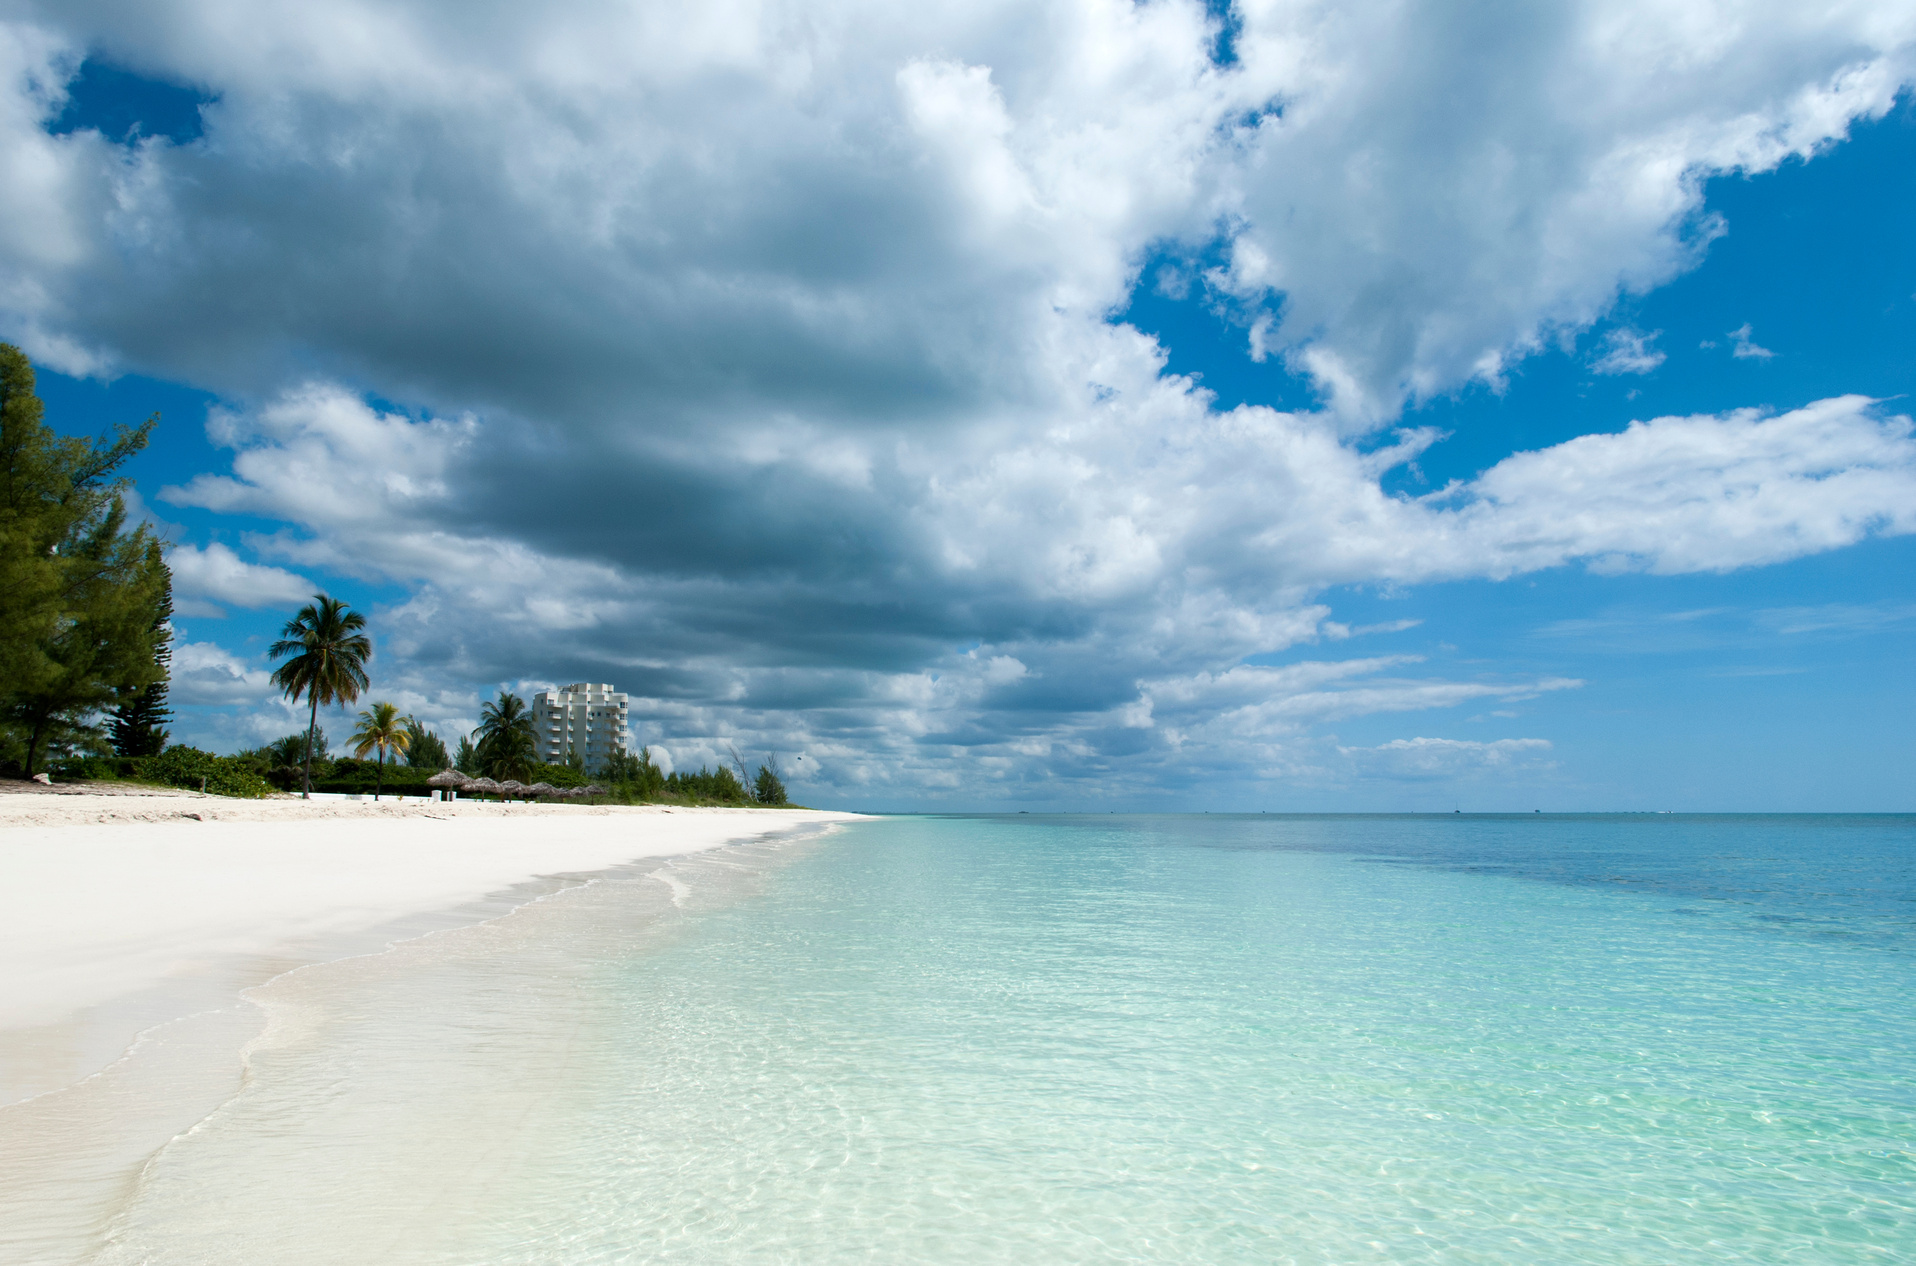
{"x":117,"y":908}
{"x":135,"y":931}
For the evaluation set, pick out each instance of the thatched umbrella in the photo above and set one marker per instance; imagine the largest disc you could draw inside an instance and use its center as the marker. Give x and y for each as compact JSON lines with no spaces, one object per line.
{"x":446,"y":780}
{"x":573,"y":792}
{"x":512,"y":787}
{"x":541,"y":789}
{"x":595,"y":790}
{"x":482,"y":787}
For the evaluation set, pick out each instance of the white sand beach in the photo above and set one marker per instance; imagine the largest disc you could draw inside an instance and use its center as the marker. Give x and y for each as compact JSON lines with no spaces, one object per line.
{"x":131,"y":923}
{"x":105,"y":895}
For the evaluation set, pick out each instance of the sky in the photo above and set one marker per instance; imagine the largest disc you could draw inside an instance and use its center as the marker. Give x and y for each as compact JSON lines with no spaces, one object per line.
{"x":1071,"y":405}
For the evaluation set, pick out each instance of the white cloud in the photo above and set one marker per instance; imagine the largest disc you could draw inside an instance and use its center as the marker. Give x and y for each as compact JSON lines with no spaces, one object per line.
{"x":1745,"y":348}
{"x":1248,"y":702}
{"x":1432,"y":759}
{"x":1627,"y":351}
{"x":757,"y":355}
{"x":1076,"y":559}
{"x":1676,"y":495}
{"x":1838,"y":617}
{"x":1444,"y":191}
{"x":207,"y":674}
{"x":202,"y":578}
{"x":1333,"y":631}
{"x":678,"y":216}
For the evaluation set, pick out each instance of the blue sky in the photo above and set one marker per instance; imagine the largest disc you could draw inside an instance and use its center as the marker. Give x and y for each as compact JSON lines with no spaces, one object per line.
{"x":997,"y":433}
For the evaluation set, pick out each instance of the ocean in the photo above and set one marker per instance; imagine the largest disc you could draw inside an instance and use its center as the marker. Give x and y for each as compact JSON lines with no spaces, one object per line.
{"x":1019,"y":1039}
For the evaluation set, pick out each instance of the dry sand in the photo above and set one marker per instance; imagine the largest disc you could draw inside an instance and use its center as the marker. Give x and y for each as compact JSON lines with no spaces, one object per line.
{"x":130,"y":922}
{"x":107,"y":896}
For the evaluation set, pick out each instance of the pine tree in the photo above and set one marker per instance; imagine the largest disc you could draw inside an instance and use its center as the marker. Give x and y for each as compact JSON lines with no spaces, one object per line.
{"x":77,"y":625}
{"x":424,"y":749}
{"x":138,"y":724}
{"x":769,"y":788}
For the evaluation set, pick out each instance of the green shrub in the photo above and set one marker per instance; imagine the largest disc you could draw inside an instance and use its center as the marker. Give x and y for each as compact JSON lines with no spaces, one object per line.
{"x":361,"y":777}
{"x":189,"y":767}
{"x":95,"y":769}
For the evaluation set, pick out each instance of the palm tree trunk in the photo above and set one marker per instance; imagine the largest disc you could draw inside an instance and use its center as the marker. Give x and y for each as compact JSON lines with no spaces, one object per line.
{"x":312,"y":725}
{"x":379,"y":783}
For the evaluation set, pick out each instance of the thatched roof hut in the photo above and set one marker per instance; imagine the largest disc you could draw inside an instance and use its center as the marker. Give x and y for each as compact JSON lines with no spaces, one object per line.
{"x":446,"y":779}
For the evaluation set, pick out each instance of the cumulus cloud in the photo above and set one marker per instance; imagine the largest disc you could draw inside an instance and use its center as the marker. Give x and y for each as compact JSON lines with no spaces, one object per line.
{"x":1557,"y":156}
{"x":205,"y":673}
{"x":760,"y":356}
{"x":1100,"y":604}
{"x":1709,"y":493}
{"x":905,"y":200}
{"x":203,"y":578}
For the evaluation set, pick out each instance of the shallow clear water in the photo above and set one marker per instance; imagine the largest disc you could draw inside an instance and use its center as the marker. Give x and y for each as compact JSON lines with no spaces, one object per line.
{"x":1211,"y":1039}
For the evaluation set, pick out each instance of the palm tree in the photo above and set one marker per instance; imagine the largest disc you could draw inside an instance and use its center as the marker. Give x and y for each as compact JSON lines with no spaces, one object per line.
{"x":382,"y":727}
{"x":284,"y":754}
{"x":506,"y":737}
{"x":329,"y":661}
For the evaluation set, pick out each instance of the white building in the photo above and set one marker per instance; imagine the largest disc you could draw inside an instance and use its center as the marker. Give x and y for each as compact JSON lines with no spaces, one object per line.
{"x":585,"y":718}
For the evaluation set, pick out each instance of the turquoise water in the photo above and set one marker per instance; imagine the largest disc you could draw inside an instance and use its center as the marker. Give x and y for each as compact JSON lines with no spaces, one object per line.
{"x":1152,"y":1039}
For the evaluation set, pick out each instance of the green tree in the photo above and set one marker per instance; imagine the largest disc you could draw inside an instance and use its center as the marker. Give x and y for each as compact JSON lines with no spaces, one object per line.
{"x":467,"y":761}
{"x":769,"y":788}
{"x":424,"y":750}
{"x":281,"y":759}
{"x":80,"y":591}
{"x":139,"y":723}
{"x":329,"y":652}
{"x":507,"y":741}
{"x":291,"y":750}
{"x":381,"y":727}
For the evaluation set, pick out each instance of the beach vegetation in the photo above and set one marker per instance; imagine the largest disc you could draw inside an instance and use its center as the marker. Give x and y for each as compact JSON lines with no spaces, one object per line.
{"x":636,"y":773}
{"x":83,"y":589}
{"x":282,"y":761}
{"x":329,"y":649}
{"x":632,"y":779}
{"x":195,"y":770}
{"x":768,"y":787}
{"x":507,"y":741}
{"x":138,"y":724}
{"x":381,"y":729}
{"x":424,"y":749}
{"x":719,"y":786}
{"x":290,"y":750}
{"x":467,"y":759}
